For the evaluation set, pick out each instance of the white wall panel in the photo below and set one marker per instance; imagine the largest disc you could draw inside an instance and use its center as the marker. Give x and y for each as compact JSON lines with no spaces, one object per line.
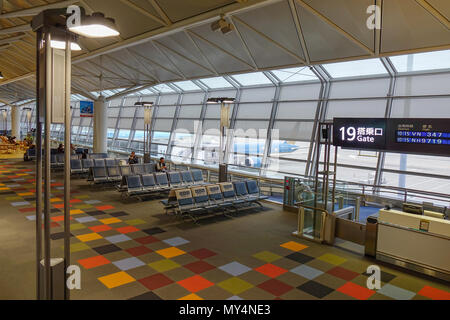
{"x":169,"y":99}
{"x":213,"y":111}
{"x":360,"y":88}
{"x":300,"y":92}
{"x":193,"y":98}
{"x":258,"y":94}
{"x":243,"y":128}
{"x":163,"y":125}
{"x":423,"y":85}
{"x":125,"y":123}
{"x":357,"y":109}
{"x":294,"y":130}
{"x":190,"y":111}
{"x":297,"y":110}
{"x":115,"y":102}
{"x":421,"y":108}
{"x":255,"y":111}
{"x":166,"y":112}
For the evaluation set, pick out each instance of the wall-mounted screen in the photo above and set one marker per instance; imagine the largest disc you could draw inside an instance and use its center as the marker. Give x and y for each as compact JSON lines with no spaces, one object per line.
{"x":419,"y":136}
{"x":357,"y":133}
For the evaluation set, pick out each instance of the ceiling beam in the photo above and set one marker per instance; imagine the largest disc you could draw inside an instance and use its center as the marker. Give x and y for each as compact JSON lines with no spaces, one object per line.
{"x":144,"y":12}
{"x":11,"y":39}
{"x":300,"y":33}
{"x":154,"y":62}
{"x":36,"y":10}
{"x":15,"y":29}
{"x":160,"y":11}
{"x":435,"y":13}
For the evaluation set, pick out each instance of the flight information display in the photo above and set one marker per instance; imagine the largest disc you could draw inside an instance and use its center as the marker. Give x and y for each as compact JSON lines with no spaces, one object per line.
{"x":357,"y":133}
{"x":418,"y":136}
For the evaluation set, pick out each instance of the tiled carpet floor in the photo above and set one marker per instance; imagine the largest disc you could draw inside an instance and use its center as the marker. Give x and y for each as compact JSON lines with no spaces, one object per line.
{"x":134,"y":251}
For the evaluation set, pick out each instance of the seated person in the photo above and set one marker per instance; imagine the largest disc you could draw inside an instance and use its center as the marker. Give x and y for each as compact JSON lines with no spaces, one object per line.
{"x":73,"y":150}
{"x":161,"y":165}
{"x":25,"y":156}
{"x":133,"y":159}
{"x":60,"y":148}
{"x":12,"y":140}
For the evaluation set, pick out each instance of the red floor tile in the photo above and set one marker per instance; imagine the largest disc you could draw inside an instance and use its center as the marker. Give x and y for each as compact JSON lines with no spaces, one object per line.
{"x":195,"y":283}
{"x":275,"y":287}
{"x":433,"y":293}
{"x":25,"y":210}
{"x":202,"y":253}
{"x":59,"y":218}
{"x":138,"y":251}
{"x":75,"y":201}
{"x":199,"y":267}
{"x":146,"y":240}
{"x":93,"y":262}
{"x":271,"y":270}
{"x":353,"y":290}
{"x":53,"y":224}
{"x":155,"y":281}
{"x":128,"y":229}
{"x":60,"y":206}
{"x":103,"y":208}
{"x":100,"y":228}
{"x":342,"y":273}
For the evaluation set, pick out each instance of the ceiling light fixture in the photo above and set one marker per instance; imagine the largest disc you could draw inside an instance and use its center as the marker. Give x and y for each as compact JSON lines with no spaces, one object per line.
{"x":220,"y":100}
{"x":95,"y":26}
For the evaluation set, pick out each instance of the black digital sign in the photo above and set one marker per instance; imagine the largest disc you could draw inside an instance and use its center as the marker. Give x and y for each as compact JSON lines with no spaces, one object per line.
{"x":418,"y":136}
{"x":357,"y":133}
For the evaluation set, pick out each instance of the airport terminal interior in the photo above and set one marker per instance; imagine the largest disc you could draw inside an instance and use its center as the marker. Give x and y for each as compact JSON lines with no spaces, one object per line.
{"x":225,"y":150}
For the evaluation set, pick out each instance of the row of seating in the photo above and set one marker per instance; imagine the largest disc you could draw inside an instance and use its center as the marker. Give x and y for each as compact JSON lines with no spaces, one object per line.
{"x":78,"y":166}
{"x":145,"y":184}
{"x":223,"y":196}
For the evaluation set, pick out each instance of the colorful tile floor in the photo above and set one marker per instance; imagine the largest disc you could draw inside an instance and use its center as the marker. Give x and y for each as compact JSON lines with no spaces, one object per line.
{"x":123,"y":256}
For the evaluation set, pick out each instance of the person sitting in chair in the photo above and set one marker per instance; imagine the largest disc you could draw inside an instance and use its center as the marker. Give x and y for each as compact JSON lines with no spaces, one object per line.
{"x":161,"y":165}
{"x":60,"y":148}
{"x":133,"y":159}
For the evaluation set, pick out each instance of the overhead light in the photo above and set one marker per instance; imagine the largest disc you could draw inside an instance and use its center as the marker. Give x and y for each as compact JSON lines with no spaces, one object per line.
{"x":1,"y":76}
{"x":96,"y":26}
{"x":144,"y":104}
{"x":220,"y":100}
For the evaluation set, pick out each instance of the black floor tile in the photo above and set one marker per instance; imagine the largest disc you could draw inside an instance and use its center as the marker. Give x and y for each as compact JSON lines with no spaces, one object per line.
{"x":109,"y":248}
{"x":315,"y":289}
{"x":118,"y":214}
{"x":385,"y":277}
{"x":153,"y":231}
{"x":95,"y":213}
{"x":59,"y":235}
{"x":146,"y":296}
{"x":300,"y":257}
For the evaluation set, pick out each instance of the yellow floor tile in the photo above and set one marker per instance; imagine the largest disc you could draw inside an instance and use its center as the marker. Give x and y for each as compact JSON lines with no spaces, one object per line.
{"x":235,"y":285}
{"x":164,"y":265}
{"x":191,"y":296}
{"x":74,"y":212}
{"x":294,"y":246}
{"x":89,"y":237}
{"x":53,"y":200}
{"x":116,"y":279}
{"x":110,"y":221}
{"x":25,"y":194}
{"x":170,"y":252}
{"x":267,"y":256}
{"x":332,"y":259}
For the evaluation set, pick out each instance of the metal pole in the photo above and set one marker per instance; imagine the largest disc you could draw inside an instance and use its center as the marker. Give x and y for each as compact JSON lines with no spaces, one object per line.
{"x":47,"y":173}
{"x":67,"y":138}
{"x":38,"y":171}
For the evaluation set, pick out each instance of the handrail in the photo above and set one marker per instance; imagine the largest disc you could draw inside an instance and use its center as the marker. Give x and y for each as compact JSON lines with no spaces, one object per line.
{"x":322,"y":222}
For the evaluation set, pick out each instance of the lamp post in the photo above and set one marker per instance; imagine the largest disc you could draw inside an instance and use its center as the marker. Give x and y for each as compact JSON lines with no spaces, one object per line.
{"x":148,"y":114}
{"x":55,"y":41}
{"x":224,"y":124}
{"x":28,"y":117}
{"x":5,"y":120}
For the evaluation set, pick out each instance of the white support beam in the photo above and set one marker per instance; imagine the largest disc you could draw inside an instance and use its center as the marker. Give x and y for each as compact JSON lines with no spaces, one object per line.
{"x":160,"y":11}
{"x":298,"y":26}
{"x":36,"y":10}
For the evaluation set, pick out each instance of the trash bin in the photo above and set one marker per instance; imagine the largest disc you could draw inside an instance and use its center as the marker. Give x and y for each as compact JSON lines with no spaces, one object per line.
{"x":371,"y":236}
